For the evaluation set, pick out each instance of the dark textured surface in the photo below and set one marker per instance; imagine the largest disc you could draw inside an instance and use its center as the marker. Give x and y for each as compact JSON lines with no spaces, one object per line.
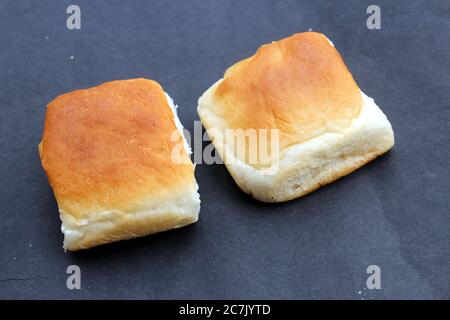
{"x":393,"y":212}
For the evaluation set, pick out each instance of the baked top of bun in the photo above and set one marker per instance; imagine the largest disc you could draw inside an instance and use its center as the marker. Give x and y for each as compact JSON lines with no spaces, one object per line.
{"x":299,"y":85}
{"x":110,"y":148}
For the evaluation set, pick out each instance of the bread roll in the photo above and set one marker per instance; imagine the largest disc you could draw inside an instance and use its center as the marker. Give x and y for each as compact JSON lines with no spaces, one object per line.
{"x":300,"y":88}
{"x":108,"y":155}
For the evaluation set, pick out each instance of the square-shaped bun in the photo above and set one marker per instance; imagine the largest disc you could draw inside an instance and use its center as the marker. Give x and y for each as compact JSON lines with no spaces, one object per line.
{"x":108,"y":152}
{"x":301,"y":88}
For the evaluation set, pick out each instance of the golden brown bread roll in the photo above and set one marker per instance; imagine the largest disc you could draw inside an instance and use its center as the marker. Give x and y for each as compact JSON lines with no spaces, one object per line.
{"x":300,"y":88}
{"x":107,"y":152}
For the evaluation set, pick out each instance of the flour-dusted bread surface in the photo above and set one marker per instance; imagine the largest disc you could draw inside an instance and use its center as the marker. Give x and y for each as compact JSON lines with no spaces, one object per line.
{"x":300,"y":87}
{"x":108,"y":155}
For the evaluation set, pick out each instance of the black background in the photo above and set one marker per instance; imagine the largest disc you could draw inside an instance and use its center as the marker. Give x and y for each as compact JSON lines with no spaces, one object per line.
{"x":394,"y":212}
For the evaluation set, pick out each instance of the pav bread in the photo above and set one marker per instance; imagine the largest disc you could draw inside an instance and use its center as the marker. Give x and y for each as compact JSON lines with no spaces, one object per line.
{"x":300,"y":88}
{"x":108,"y":155}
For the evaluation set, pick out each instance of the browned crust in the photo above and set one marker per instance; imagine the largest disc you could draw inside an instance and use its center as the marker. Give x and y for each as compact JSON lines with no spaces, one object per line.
{"x":109,"y":148}
{"x":299,"y":85}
